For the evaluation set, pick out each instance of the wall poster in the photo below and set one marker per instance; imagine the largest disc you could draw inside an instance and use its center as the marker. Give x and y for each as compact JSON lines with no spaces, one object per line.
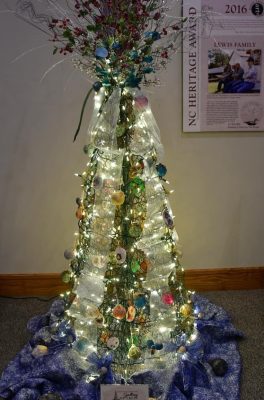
{"x":223,"y":66}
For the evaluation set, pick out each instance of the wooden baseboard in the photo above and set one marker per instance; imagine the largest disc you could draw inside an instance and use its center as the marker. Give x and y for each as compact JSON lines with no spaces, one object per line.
{"x":246,"y":278}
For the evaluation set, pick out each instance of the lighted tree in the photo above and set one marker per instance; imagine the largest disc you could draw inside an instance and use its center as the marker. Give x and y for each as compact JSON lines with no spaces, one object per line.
{"x":127,"y":297}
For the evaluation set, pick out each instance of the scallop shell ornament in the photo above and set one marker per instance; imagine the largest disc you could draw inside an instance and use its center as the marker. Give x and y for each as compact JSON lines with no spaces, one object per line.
{"x":119,"y":312}
{"x":112,"y":343}
{"x":131,"y":313}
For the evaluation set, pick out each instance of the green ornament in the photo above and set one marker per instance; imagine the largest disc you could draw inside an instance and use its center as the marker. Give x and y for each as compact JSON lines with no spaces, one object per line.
{"x":120,"y":130}
{"x":134,"y":352}
{"x":66,"y":276}
{"x":135,"y":265}
{"x":137,"y":186}
{"x":135,"y":231}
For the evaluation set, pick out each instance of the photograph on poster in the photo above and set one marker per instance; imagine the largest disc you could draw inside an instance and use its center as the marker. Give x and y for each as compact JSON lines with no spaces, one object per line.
{"x":234,"y":70}
{"x":223,"y":64}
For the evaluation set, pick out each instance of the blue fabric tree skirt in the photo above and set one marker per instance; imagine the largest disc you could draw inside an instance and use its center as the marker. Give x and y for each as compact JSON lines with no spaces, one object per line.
{"x":63,"y":372}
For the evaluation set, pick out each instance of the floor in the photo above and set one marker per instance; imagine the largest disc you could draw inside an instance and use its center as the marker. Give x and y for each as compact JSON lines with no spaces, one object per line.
{"x":246,"y":309}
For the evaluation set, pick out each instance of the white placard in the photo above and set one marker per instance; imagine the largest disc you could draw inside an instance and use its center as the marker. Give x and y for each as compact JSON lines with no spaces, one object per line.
{"x":124,"y":392}
{"x":223,"y":66}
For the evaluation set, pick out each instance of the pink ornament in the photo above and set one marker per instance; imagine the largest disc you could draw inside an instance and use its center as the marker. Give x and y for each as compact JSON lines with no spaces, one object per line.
{"x":167,"y":298}
{"x":141,"y":102}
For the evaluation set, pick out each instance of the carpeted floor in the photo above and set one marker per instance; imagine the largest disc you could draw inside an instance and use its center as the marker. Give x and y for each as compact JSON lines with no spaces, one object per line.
{"x":246,"y":309}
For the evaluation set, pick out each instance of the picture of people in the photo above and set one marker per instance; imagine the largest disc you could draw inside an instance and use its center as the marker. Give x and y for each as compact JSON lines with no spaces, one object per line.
{"x":234,"y":71}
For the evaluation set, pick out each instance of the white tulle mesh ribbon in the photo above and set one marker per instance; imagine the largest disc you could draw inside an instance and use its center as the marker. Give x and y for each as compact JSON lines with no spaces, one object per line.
{"x":145,"y":143}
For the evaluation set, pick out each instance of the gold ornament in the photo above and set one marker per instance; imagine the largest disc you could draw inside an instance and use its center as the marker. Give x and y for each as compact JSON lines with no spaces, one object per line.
{"x":80,"y":213}
{"x":99,"y":320}
{"x":104,"y":337}
{"x":182,"y":349}
{"x":131,"y":313}
{"x":118,"y":198}
{"x":186,"y":310}
{"x":134,"y":352}
{"x":40,"y":351}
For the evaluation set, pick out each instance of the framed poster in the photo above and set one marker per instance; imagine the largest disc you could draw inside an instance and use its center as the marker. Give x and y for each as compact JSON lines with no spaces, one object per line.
{"x":223,"y":66}
{"x":124,"y":392}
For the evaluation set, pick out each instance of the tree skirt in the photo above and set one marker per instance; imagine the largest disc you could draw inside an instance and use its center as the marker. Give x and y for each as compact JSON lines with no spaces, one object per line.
{"x":208,"y":370}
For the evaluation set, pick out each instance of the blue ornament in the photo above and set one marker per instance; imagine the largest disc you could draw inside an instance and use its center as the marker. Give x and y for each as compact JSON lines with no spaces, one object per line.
{"x":140,"y":302}
{"x":147,"y":70}
{"x":153,"y":35}
{"x":101,"y":52}
{"x":116,"y":46}
{"x":158,"y":346}
{"x":97,"y":86}
{"x":161,"y":169}
{"x":150,"y":343}
{"x":148,"y":59}
{"x":132,"y":81}
{"x":81,"y":345}
{"x":133,"y":55}
{"x":156,"y":35}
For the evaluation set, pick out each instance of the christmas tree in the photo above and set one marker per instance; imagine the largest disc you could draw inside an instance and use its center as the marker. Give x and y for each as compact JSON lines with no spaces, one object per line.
{"x":129,"y":298}
{"x":128,"y":310}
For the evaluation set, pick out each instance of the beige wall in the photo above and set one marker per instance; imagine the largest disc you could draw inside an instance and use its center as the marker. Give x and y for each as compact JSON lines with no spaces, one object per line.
{"x":218,"y":178}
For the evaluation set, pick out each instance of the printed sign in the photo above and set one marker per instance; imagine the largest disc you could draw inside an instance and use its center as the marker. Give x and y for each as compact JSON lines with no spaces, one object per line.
{"x":223,"y":59}
{"x":124,"y":392}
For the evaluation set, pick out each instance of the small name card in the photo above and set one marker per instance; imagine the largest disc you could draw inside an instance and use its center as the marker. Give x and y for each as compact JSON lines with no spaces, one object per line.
{"x":124,"y":392}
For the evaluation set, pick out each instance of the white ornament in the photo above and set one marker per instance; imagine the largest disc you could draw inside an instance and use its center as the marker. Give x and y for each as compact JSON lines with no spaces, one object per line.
{"x":113,"y":343}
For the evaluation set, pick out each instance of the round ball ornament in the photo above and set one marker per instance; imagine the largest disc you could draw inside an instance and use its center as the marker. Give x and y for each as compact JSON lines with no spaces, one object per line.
{"x":141,"y":102}
{"x":120,"y":130}
{"x":101,"y":52}
{"x":167,"y":298}
{"x":135,"y":265}
{"x":161,"y":170}
{"x":97,"y":182}
{"x":134,"y":353}
{"x":137,"y":186}
{"x":118,"y":198}
{"x":150,"y":343}
{"x":135,"y":230}
{"x":68,"y":254}
{"x":186,"y":310}
{"x":66,"y":276}
{"x":140,"y":301}
{"x":80,"y":213}
{"x":182,"y":349}
{"x":81,"y":345}
{"x":219,"y":366}
{"x":119,"y":312}
{"x":112,"y":343}
{"x":40,"y":351}
{"x":97,"y":86}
